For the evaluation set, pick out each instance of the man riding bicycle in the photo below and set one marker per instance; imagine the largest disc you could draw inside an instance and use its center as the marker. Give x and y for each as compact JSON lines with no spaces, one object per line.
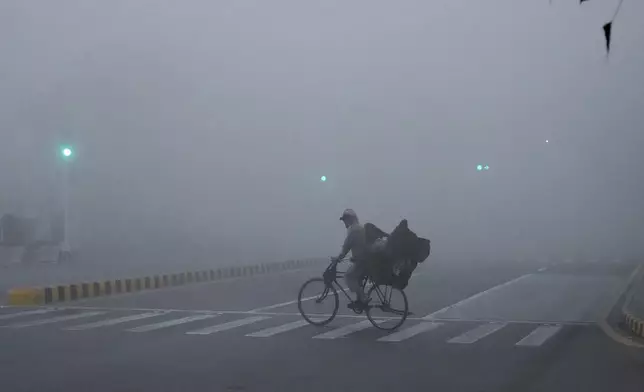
{"x":355,"y":242}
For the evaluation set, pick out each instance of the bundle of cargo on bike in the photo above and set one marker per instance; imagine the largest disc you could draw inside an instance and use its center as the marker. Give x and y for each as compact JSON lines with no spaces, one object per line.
{"x":394,"y":257}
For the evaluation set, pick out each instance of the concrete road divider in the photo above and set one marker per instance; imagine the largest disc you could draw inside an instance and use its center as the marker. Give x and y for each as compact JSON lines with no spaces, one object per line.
{"x":635,"y":324}
{"x":83,"y":290}
{"x":633,"y":309}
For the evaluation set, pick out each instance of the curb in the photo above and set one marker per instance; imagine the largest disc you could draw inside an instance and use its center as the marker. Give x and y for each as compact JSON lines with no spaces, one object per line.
{"x":75,"y":291}
{"x":634,"y":324}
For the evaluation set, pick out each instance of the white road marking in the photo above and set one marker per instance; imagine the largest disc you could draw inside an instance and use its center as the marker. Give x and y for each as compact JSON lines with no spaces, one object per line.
{"x":227,"y":326}
{"x":409,"y":332}
{"x":339,"y":316}
{"x":25,"y":313}
{"x":542,"y":269}
{"x":55,"y":319}
{"x":171,"y":323}
{"x":477,"y":333}
{"x":539,"y":335}
{"x":475,"y":296}
{"x":264,"y":308}
{"x":114,"y":321}
{"x":269,"y":307}
{"x":344,"y":331}
{"x":264,"y":333}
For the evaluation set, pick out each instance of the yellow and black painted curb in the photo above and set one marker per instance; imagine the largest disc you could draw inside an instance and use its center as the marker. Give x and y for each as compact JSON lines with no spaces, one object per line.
{"x":76,"y":291}
{"x":634,"y":324}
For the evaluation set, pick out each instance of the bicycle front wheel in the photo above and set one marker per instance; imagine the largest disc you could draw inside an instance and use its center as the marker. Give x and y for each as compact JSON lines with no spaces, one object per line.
{"x":388,"y":308}
{"x":317,"y":302}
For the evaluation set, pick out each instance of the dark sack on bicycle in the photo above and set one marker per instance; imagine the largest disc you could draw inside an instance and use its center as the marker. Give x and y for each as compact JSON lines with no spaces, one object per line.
{"x":422,"y":251}
{"x":406,"y":250}
{"x":373,"y":233}
{"x":401,"y":273}
{"x":404,"y":244}
{"x":379,"y":268}
{"x":401,"y":242}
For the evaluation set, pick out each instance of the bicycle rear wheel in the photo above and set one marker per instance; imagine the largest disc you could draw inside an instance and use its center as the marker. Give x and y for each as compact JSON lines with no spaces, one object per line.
{"x":389,"y":308}
{"x":317,"y":302}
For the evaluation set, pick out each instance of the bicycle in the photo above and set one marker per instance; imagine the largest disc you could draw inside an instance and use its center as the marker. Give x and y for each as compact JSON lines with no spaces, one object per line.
{"x":328,"y":283}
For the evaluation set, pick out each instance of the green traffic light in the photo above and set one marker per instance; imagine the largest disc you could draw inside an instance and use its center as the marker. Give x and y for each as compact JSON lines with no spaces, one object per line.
{"x":323,"y":179}
{"x":67,"y":152}
{"x":479,"y":167}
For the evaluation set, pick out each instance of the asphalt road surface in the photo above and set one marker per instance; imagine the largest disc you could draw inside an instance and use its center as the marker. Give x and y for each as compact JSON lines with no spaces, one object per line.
{"x":476,"y":327}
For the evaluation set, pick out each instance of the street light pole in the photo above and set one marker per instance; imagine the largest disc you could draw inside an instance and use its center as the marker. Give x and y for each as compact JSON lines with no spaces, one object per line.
{"x":65,"y":244}
{"x":68,"y":155}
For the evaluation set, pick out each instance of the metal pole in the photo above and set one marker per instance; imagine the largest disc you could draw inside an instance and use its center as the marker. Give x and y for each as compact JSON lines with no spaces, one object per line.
{"x":65,"y":244}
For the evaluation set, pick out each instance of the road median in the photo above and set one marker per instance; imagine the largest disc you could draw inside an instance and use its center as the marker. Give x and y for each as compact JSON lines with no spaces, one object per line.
{"x":633,"y":309}
{"x":44,"y":295}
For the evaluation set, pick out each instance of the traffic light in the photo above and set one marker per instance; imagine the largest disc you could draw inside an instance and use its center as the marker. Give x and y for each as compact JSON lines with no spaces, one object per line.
{"x":482,"y":167}
{"x":67,"y":152}
{"x":323,"y":179}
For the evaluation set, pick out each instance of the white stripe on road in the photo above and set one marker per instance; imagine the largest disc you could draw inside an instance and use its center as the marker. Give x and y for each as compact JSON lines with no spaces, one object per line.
{"x":542,"y":269}
{"x":409,"y":332}
{"x":338,"y":316}
{"x":25,"y":313}
{"x":227,"y":326}
{"x":475,"y":296}
{"x":171,"y":323}
{"x":264,"y":333}
{"x":264,"y":308}
{"x":477,"y":333}
{"x":344,"y":331}
{"x":539,"y":335}
{"x":108,"y":322}
{"x":55,"y":319}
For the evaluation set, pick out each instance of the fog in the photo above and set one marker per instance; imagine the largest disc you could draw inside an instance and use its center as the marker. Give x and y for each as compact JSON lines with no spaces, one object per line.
{"x":203,"y":127}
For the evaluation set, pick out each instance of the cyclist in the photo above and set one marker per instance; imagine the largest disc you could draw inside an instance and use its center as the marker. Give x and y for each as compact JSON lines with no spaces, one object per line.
{"x":355,"y":242}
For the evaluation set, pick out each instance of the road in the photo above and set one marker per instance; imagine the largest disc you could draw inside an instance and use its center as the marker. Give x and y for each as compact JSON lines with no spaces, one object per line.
{"x":476,"y":327}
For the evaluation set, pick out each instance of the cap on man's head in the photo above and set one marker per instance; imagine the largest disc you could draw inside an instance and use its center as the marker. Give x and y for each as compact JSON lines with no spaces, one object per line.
{"x":348,"y":213}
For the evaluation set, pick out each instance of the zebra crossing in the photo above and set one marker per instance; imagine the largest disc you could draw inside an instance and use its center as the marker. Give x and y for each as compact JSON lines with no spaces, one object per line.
{"x":455,"y":332}
{"x":477,"y":333}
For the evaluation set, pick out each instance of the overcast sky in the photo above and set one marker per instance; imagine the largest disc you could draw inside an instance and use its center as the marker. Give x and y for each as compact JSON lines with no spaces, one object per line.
{"x":211,"y":122}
